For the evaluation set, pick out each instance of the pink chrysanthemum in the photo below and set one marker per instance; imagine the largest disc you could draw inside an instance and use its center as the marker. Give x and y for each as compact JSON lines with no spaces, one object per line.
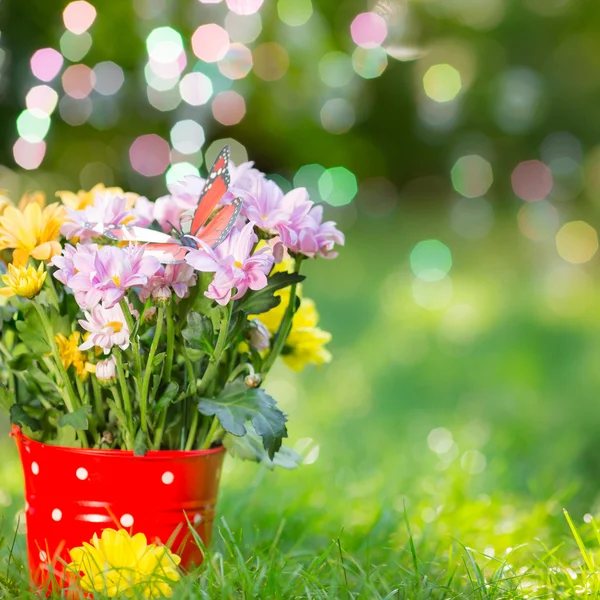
{"x":107,"y":327}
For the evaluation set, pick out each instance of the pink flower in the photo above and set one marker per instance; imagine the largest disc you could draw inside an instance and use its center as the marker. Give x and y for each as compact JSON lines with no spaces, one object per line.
{"x":105,"y":275}
{"x":108,"y":209}
{"x":143,"y":211}
{"x":184,"y":196}
{"x":106,"y":371}
{"x":234,"y":265}
{"x":180,"y":277}
{"x":65,"y":264}
{"x":107,"y":327}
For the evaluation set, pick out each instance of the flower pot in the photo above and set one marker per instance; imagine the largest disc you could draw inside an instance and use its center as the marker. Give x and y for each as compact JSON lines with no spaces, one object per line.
{"x":72,"y":493}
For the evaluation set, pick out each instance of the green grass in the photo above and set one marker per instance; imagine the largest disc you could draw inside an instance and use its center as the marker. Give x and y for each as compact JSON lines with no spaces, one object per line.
{"x":442,"y":446}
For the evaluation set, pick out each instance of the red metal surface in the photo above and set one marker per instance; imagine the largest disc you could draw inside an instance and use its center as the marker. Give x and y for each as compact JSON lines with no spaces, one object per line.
{"x":72,"y":493}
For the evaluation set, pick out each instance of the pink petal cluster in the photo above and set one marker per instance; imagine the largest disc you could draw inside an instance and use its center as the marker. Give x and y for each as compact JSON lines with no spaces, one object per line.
{"x":234,"y":264}
{"x":103,"y":274}
{"x":178,"y":277}
{"x":107,"y":327}
{"x":108,"y":209}
{"x":169,"y":210}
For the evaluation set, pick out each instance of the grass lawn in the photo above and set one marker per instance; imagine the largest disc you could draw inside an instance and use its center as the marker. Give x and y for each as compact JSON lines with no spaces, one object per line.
{"x":441,"y":445}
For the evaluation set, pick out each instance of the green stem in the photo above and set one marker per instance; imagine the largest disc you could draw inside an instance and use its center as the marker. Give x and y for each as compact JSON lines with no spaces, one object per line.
{"x":135,"y":346}
{"x":53,"y":293}
{"x":285,"y":325}
{"x":149,"y":370}
{"x":119,"y":405}
{"x":160,"y":429}
{"x":208,"y":440}
{"x":170,"y":344}
{"x":97,"y":392}
{"x":125,"y":391}
{"x":69,"y":393}
{"x":240,"y":369}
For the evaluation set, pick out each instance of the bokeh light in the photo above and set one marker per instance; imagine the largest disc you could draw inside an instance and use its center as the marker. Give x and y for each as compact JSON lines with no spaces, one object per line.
{"x":187,"y":136}
{"x":229,"y":107}
{"x":210,"y":42}
{"x":368,"y":30}
{"x":179,"y":171}
{"x":244,"y":7}
{"x":237,"y":151}
{"x":164,"y":101}
{"x":576,"y":242}
{"x":237,"y":63}
{"x":196,"y":88}
{"x":149,"y":155}
{"x":164,"y":45}
{"x":472,"y":176}
{"x":369,"y":62}
{"x":337,"y":115}
{"x":518,"y":100}
{"x":243,"y":28}
{"x":335,"y":69}
{"x":79,"y":16}
{"x":308,"y":177}
{"x":75,"y":112}
{"x":78,"y":81}
{"x":46,"y":64}
{"x":109,"y":78}
{"x":74,"y":47}
{"x":29,"y":155}
{"x":538,"y":221}
{"x":43,"y":98}
{"x":472,"y":218}
{"x":338,"y":186}
{"x":531,"y":180}
{"x":431,"y":260}
{"x":33,"y":125}
{"x":294,"y":12}
{"x":442,"y":82}
{"x":271,"y":61}
{"x":432,"y":295}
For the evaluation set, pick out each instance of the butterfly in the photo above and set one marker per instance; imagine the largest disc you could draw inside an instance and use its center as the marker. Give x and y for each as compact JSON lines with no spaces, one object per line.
{"x":172,"y":248}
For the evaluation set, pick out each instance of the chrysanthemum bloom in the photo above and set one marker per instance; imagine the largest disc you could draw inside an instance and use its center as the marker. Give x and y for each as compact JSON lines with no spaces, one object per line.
{"x":179,"y":277}
{"x":82,"y":199}
{"x":105,"y":275}
{"x":118,"y":564}
{"x":107,"y":328}
{"x":23,"y":281}
{"x":64,"y":261}
{"x":306,"y":342}
{"x":70,"y":354}
{"x":31,"y":231}
{"x":107,"y":209}
{"x":106,"y":371}
{"x":4,"y":200}
{"x":234,"y":265}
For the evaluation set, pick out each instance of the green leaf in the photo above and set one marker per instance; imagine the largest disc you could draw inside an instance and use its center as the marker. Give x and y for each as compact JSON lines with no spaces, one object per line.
{"x":31,"y":333}
{"x":7,"y":398}
{"x":158,"y":359}
{"x":66,"y":436}
{"x":260,"y":301}
{"x":167,"y":396}
{"x":77,"y":419}
{"x":196,"y":354}
{"x":199,"y":332}
{"x":139,"y":445}
{"x":20,"y":417}
{"x":237,"y":405}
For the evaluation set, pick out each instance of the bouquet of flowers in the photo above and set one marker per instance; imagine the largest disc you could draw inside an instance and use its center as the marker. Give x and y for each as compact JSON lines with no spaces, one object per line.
{"x":141,"y":325}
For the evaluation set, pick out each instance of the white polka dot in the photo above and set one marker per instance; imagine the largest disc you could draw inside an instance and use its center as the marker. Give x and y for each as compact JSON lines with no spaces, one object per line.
{"x":126,"y":520}
{"x":43,"y":556}
{"x":168,"y":478}
{"x":35,"y":468}
{"x":56,"y":514}
{"x":81,"y":473}
{"x":197,"y":518}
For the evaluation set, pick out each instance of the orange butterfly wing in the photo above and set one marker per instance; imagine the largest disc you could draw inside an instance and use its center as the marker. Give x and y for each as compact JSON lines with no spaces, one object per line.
{"x":215,"y":187}
{"x":220,"y":226}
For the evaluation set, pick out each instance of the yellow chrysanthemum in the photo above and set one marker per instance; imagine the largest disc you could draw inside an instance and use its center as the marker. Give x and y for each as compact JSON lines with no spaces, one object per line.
{"x":4,"y":200}
{"x":31,"y":229}
{"x":23,"y":281}
{"x":83,"y":199}
{"x":306,"y":342}
{"x":118,"y":564}
{"x":70,"y":354}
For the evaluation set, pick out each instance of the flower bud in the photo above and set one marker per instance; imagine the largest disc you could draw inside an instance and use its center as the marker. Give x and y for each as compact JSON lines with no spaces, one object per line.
{"x":253,"y":381}
{"x":162,"y":294}
{"x":107,"y":437}
{"x":149,"y":314}
{"x":106,"y":371}
{"x":257,"y":335}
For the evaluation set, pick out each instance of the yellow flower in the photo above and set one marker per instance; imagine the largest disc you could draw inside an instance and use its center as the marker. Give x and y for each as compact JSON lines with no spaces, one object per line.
{"x":23,"y":281}
{"x":4,"y":200}
{"x":118,"y":564}
{"x":306,"y":342}
{"x":68,"y":348}
{"x":83,"y":199}
{"x":31,"y":229}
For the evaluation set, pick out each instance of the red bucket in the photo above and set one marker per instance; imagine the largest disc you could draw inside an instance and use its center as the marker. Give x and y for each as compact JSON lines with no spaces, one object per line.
{"x":72,"y":493}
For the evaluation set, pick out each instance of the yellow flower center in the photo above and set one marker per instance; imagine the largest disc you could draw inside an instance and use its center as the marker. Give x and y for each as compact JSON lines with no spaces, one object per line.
{"x":116,"y":325}
{"x":117,"y":280}
{"x":238,"y":264}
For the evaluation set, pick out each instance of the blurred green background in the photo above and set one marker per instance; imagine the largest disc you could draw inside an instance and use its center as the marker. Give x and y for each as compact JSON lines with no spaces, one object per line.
{"x":457,"y":145}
